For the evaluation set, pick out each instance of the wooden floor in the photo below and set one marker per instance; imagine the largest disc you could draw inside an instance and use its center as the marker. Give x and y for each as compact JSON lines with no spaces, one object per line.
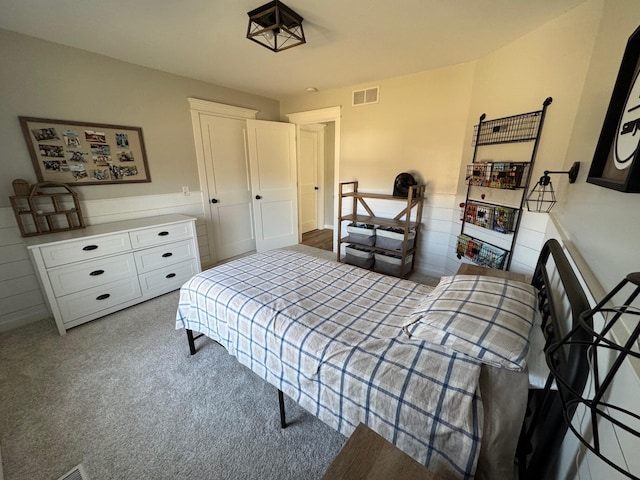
{"x":322,"y":239}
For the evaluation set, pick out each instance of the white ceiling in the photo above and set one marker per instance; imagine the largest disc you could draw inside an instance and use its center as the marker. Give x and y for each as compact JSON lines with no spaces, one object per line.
{"x":348,"y":41}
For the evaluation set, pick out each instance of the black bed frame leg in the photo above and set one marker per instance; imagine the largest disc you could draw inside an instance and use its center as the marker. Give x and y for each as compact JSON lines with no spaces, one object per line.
{"x":283,"y":421}
{"x":192,"y":343}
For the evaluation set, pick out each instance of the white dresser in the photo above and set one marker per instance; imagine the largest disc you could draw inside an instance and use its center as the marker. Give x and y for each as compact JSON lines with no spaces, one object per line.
{"x":89,"y":273}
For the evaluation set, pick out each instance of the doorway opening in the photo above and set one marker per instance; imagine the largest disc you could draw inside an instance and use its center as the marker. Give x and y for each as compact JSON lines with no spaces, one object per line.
{"x":318,"y":133}
{"x":319,"y":238}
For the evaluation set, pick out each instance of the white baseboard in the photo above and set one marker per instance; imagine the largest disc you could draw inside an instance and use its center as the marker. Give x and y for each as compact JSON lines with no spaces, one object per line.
{"x":1,"y":474}
{"x":24,"y":317}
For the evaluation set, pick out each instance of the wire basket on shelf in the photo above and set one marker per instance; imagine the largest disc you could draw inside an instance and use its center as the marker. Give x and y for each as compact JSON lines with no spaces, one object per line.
{"x":481,"y":253}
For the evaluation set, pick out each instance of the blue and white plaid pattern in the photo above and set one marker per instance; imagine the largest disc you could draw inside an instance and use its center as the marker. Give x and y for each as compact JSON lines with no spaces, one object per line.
{"x":329,"y":335}
{"x":487,"y":318}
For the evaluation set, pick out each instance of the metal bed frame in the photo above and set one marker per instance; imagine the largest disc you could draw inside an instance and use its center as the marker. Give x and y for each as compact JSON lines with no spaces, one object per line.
{"x":191,"y":339}
{"x":545,"y":427}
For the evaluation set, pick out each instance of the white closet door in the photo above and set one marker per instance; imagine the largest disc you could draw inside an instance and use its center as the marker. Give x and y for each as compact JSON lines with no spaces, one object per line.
{"x":228,"y":185}
{"x":272,"y":163}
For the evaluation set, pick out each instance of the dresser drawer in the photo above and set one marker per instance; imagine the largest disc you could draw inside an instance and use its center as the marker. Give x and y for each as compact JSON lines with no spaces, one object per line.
{"x":148,"y":237}
{"x":76,"y":277}
{"x":167,"y":279}
{"x":94,"y":299}
{"x":85,"y":249}
{"x":157,"y":257}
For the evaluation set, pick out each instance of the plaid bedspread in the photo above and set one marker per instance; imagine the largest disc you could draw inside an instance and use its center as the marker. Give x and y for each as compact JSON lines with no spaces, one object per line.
{"x":329,"y":335}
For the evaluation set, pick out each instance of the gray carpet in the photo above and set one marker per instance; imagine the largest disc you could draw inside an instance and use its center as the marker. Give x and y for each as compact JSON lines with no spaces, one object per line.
{"x":122,"y":396}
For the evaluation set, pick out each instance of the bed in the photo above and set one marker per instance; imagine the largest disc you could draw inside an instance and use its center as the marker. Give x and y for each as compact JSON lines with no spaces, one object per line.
{"x":565,"y":313}
{"x":440,"y":372}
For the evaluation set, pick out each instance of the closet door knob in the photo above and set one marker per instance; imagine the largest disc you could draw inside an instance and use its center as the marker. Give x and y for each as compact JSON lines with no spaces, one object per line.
{"x":258,"y":197}
{"x":214,"y":200}
{"x":316,"y":188}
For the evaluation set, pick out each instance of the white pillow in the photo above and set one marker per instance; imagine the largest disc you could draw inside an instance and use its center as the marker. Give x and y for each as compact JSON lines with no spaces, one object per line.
{"x":484,"y":317}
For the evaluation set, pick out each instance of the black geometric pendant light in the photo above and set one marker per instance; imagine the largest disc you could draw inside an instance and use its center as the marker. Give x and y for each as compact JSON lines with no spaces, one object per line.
{"x":275,"y":26}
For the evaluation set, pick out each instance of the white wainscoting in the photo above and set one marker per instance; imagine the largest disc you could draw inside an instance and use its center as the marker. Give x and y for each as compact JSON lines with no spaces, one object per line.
{"x":21,"y":300}
{"x":435,"y":235}
{"x":531,"y":237}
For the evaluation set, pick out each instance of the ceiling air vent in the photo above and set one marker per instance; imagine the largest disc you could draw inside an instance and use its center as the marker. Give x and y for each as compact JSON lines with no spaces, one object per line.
{"x":366,"y":96}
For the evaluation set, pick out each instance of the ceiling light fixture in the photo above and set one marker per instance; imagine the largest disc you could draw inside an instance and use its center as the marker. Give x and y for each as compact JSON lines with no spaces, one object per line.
{"x":275,"y":26}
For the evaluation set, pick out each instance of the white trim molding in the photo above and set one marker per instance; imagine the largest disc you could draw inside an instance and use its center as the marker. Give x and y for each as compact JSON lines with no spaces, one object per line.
{"x":220,"y":109}
{"x":329,"y":114}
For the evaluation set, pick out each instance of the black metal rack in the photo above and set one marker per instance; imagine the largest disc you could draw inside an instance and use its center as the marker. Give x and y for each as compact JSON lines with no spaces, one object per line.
{"x":512,"y":175}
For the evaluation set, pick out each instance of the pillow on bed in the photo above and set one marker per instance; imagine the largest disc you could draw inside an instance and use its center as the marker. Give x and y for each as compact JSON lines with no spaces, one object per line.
{"x":484,"y":317}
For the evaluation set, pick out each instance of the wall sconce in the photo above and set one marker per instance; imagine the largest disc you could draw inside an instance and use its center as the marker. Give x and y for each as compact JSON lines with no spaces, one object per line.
{"x":602,"y":413}
{"x":275,"y":26}
{"x":542,"y":197}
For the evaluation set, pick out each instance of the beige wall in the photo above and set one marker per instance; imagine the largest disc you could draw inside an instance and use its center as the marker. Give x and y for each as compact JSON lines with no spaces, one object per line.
{"x":551,"y":61}
{"x":603,"y":224}
{"x":42,"y":79}
{"x":46,"y":80}
{"x":417,"y":126}
{"x":424,"y":123}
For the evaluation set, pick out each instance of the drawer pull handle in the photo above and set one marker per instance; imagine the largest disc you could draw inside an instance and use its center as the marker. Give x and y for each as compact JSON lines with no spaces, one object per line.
{"x":90,"y":247}
{"x":171,"y":275}
{"x":165,"y":255}
{"x":163,"y":233}
{"x":104,"y":296}
{"x":95,"y":273}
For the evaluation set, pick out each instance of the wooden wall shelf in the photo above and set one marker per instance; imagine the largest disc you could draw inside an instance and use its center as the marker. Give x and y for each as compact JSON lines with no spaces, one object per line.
{"x":49,"y":207}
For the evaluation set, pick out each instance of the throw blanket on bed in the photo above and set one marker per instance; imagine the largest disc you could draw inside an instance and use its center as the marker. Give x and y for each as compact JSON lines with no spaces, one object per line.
{"x":329,"y":335}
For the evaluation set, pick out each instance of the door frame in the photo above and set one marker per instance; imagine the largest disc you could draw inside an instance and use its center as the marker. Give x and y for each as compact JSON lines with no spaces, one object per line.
{"x":324,"y":115}
{"x":200,"y":107}
{"x":319,"y":130}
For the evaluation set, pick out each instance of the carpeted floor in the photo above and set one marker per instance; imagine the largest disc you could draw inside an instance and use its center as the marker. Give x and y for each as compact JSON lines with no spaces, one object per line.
{"x":122,"y":396}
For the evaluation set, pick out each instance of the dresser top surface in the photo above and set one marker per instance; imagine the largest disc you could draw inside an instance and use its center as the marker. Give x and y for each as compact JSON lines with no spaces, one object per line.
{"x":105,"y":229}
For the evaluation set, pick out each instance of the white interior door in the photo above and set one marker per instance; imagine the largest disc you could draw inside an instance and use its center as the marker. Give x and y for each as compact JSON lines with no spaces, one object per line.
{"x":330,"y":117}
{"x":310,"y":177}
{"x":272,"y":163}
{"x":228,"y":185}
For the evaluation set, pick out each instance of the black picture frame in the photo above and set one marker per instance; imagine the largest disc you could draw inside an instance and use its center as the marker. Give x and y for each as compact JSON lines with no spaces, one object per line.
{"x":603,"y":171}
{"x":83,"y":153}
